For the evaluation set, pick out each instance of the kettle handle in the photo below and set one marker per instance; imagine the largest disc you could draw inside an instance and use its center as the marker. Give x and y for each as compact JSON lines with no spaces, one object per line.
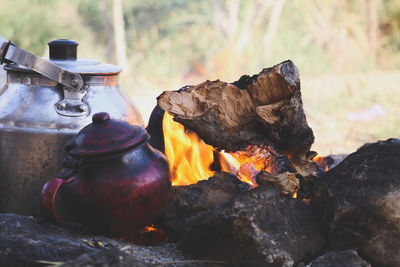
{"x":48,"y":196}
{"x":9,"y":52}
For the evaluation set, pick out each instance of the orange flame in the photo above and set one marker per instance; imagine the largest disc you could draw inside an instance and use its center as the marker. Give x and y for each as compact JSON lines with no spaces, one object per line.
{"x":190,"y":158}
{"x":322,"y":163}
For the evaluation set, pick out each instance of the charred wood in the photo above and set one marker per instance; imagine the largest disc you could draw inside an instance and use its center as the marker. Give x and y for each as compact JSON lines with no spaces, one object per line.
{"x":287,"y":182}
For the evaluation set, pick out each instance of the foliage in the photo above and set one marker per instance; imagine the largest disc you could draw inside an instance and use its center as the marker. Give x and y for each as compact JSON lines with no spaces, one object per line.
{"x":179,"y":38}
{"x":32,"y":23}
{"x":390,"y":27}
{"x":172,"y":43}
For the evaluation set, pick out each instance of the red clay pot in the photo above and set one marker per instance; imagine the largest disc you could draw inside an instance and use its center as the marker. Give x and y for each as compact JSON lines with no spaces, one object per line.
{"x":113,"y":181}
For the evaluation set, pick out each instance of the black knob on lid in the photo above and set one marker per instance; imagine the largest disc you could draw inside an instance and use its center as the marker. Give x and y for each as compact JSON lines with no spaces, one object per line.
{"x":63,"y":49}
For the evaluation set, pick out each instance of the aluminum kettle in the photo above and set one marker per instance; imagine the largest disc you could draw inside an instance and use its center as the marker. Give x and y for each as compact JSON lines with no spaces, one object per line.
{"x":44,"y":103}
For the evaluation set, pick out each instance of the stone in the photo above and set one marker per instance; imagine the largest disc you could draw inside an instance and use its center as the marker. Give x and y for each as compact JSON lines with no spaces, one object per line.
{"x":122,"y":258}
{"x":344,"y":258}
{"x":257,"y":228}
{"x":358,"y":203}
{"x":108,"y":257}
{"x":27,"y":241}
{"x":187,"y":201}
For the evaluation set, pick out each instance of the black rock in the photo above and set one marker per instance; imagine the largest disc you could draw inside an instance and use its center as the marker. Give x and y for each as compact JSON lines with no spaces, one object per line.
{"x":359,"y":203}
{"x":110,"y":257}
{"x":124,"y":258}
{"x":344,"y":258}
{"x":25,"y":241}
{"x":256,"y":228}
{"x":187,"y":201}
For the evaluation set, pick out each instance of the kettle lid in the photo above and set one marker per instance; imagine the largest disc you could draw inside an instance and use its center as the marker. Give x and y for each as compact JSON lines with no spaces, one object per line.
{"x":63,"y":53}
{"x":105,"y":136}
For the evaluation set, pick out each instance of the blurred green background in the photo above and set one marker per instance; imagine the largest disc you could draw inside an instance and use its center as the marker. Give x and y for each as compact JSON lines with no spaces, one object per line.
{"x":347,"y":51}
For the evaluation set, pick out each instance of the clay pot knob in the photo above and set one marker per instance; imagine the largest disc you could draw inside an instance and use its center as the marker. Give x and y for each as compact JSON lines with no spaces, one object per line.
{"x":100,"y":117}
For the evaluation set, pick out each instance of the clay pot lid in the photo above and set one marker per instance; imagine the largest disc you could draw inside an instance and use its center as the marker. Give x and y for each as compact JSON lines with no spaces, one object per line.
{"x":105,"y":136}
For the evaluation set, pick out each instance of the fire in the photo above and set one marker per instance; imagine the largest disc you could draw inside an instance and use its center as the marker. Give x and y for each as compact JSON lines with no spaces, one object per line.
{"x":188,"y":156}
{"x":190,"y":159}
{"x":322,"y":162}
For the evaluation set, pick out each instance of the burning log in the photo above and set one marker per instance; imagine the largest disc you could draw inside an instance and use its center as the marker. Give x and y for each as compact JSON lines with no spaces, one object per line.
{"x":259,"y":113}
{"x":264,"y":109}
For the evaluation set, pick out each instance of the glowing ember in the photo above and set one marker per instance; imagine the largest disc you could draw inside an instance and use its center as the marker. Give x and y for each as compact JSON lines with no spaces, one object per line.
{"x":150,"y":228}
{"x":245,"y":172}
{"x":150,"y":235}
{"x":257,"y":156}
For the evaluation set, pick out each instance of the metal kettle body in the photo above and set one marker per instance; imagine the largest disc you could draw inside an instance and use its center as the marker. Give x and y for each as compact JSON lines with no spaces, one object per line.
{"x":39,"y":114}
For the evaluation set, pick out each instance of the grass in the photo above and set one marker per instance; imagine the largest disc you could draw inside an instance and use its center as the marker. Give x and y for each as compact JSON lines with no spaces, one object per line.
{"x":329,"y":99}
